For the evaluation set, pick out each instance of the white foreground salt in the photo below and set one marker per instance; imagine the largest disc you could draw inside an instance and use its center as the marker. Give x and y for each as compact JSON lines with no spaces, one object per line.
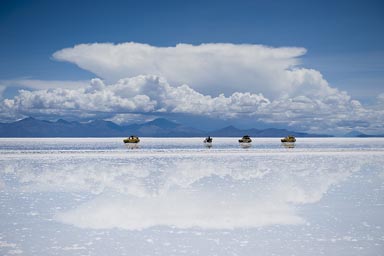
{"x":175,"y":196}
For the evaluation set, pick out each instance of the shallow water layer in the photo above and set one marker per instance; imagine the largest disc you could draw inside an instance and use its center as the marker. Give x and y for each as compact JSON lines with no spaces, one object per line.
{"x":173,"y":196}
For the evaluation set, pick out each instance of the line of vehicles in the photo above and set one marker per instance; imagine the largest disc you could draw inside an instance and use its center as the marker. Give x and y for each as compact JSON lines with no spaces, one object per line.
{"x":245,"y":141}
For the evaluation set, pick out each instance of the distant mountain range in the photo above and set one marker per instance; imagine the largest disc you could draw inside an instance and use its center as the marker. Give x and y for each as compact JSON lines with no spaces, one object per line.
{"x":31,"y":127}
{"x":361,"y":135}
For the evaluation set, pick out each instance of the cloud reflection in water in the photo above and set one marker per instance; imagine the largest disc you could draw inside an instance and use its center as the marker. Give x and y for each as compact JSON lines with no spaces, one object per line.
{"x":209,"y":191}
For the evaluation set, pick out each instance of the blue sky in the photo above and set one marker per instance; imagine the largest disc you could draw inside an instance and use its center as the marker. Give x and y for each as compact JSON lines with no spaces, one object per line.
{"x":343,"y":41}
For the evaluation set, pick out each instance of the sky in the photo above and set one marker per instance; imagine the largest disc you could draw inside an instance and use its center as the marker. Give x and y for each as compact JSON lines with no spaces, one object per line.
{"x":312,"y":66}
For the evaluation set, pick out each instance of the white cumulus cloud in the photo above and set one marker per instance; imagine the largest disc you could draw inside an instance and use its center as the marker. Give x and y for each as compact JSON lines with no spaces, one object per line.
{"x":255,"y":83}
{"x":138,"y":94}
{"x":327,"y":110}
{"x":208,"y":68}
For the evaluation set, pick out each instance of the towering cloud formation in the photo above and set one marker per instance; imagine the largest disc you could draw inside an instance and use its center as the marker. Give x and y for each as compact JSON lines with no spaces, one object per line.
{"x":208,"y":68}
{"x":254,"y":82}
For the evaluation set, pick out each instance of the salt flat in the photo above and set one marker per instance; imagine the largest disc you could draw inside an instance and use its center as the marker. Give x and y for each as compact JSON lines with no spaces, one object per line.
{"x":173,"y":196}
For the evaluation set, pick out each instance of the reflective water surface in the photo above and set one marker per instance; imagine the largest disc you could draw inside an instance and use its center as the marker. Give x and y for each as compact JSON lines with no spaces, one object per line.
{"x":174,"y":196}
